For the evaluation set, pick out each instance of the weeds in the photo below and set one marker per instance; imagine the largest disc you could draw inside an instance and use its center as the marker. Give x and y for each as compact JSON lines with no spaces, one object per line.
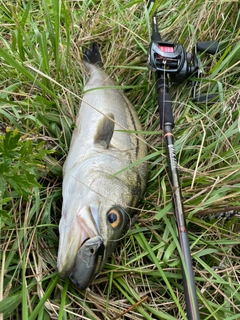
{"x":41,"y":84}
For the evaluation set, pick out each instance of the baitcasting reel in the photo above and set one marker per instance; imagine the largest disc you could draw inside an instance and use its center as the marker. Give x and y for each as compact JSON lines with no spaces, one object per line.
{"x":171,"y":58}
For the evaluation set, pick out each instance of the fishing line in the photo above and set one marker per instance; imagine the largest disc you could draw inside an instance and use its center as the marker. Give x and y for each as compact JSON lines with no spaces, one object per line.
{"x":105,"y":197}
{"x":126,"y":230}
{"x":91,"y":106}
{"x":171,"y":62}
{"x":162,"y":58}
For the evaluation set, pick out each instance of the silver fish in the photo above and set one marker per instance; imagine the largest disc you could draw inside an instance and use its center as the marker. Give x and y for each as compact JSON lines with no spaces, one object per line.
{"x":99,"y":188}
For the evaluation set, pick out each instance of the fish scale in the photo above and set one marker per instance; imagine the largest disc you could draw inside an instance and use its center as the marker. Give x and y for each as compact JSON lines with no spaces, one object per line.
{"x":100,"y":185}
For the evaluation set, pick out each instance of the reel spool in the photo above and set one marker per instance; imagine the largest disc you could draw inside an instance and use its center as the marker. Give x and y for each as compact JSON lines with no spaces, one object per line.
{"x":171,"y":58}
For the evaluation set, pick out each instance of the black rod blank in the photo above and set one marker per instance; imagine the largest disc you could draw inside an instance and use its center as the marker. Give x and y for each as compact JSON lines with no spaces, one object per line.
{"x":187,"y":269}
{"x":167,"y":124}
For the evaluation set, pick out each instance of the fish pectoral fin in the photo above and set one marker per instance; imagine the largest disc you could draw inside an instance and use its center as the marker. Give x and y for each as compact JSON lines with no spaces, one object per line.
{"x":104,"y":131}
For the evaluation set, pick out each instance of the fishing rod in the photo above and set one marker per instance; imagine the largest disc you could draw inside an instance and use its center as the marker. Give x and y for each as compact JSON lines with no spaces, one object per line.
{"x":172,"y":64}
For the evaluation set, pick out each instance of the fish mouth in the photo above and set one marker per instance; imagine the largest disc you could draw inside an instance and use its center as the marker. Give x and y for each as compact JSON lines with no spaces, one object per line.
{"x":82,"y":247}
{"x":88,"y":263}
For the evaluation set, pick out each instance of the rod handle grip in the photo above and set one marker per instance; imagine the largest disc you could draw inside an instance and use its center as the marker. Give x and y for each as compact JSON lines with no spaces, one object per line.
{"x":165,"y":108}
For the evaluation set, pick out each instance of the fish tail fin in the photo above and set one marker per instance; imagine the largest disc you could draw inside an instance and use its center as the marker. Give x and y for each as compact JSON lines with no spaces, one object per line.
{"x":92,"y":55}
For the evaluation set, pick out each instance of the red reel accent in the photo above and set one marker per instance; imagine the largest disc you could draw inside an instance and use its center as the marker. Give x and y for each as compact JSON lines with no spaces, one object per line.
{"x":166,"y":48}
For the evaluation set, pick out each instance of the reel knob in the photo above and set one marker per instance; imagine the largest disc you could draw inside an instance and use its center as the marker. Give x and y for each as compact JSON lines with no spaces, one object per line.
{"x":210,"y":47}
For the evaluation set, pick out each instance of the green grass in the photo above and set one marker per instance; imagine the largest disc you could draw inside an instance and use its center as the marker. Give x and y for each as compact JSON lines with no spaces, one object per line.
{"x":41,"y":84}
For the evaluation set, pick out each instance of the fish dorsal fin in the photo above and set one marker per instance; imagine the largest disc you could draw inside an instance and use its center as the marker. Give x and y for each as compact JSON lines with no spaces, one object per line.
{"x":104,"y":131}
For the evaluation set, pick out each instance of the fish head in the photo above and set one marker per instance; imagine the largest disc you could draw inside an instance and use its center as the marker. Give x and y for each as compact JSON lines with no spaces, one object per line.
{"x":89,"y":231}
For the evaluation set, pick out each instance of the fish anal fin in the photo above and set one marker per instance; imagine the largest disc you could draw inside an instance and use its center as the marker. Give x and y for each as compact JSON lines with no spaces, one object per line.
{"x":105,"y":130}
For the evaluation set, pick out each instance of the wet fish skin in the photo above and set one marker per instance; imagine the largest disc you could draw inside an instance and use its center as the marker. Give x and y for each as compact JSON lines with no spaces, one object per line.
{"x":98,"y":192}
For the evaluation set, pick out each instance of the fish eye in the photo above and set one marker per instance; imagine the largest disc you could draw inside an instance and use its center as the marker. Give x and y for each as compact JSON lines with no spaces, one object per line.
{"x":114,"y":217}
